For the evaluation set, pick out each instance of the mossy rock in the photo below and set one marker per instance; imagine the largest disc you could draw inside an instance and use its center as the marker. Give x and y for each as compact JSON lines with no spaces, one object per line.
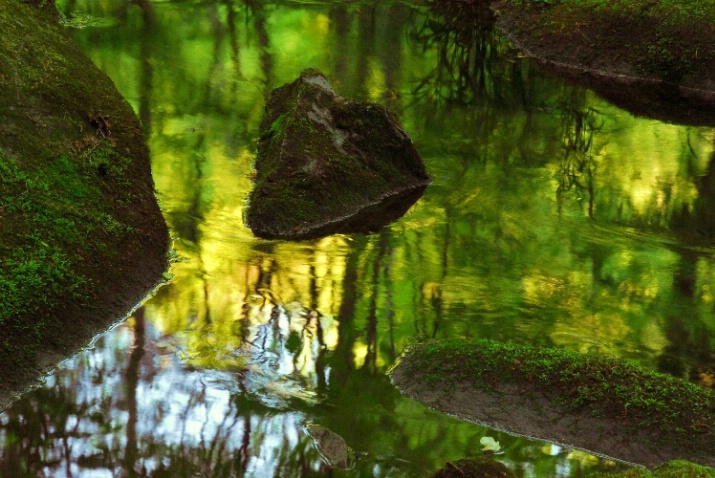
{"x":326,"y":164}
{"x":82,"y":238}
{"x":599,"y":404}
{"x":673,"y":469}
{"x":652,"y":57}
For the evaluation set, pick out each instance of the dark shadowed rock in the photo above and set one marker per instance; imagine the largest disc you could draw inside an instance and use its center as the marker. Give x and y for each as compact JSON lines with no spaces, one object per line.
{"x":328,"y":165}
{"x":480,"y":467}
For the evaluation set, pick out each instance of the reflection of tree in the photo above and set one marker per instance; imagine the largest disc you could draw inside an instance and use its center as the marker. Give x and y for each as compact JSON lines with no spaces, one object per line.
{"x":690,"y":340}
{"x":462,"y":264}
{"x":469,"y":69}
{"x":576,"y":163}
{"x":131,"y":385}
{"x":257,"y":10}
{"x":695,"y":222}
{"x":146,"y":55}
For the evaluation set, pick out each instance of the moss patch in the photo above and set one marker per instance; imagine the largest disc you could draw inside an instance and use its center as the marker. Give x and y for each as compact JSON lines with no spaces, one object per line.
{"x":650,"y":57}
{"x":674,"y":469}
{"x":661,"y":39}
{"x":81,"y":236}
{"x":322,"y":159}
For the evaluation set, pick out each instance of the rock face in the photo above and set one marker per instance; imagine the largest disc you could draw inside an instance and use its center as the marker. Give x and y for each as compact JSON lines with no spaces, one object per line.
{"x":77,"y":206}
{"x":328,"y":165}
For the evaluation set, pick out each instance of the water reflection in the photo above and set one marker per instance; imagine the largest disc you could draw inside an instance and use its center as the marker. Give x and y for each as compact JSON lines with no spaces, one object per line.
{"x":554,"y":218}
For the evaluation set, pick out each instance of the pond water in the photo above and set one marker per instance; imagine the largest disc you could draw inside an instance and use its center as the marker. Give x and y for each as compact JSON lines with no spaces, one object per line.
{"x":554,"y":219}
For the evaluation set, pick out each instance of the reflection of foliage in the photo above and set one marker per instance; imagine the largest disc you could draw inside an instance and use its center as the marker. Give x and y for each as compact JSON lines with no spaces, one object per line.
{"x":576,"y":163}
{"x":463,"y":35}
{"x":481,"y":255}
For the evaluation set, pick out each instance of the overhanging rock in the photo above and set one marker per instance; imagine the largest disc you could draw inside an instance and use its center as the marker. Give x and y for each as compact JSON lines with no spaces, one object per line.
{"x":329,"y":165}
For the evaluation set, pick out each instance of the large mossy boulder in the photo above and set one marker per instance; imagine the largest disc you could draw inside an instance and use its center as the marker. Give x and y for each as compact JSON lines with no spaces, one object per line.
{"x":82,"y":239}
{"x":327,"y":164}
{"x":599,"y":404}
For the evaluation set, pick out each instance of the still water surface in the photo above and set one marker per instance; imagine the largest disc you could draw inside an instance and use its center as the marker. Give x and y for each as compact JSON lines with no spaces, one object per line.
{"x":554,"y":219}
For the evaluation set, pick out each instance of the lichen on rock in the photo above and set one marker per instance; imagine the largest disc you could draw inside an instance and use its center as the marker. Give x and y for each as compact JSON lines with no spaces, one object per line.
{"x":327,"y":164}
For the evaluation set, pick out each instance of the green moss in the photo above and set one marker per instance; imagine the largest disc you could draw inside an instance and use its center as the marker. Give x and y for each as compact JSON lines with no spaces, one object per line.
{"x":76,"y":199}
{"x":47,"y":214}
{"x":679,"y":413}
{"x":311,"y":143}
{"x":660,"y":38}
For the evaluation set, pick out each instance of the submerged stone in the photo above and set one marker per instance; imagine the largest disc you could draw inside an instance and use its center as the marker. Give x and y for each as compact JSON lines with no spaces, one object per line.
{"x":332,"y":447}
{"x":329,"y":165}
{"x":479,"y":467}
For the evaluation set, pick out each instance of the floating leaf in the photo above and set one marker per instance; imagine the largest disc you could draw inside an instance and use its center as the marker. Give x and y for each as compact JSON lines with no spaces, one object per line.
{"x":490,"y":445}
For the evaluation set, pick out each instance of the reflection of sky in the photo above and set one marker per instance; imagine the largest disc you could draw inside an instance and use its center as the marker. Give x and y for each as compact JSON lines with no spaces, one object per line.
{"x":199,"y":415}
{"x":177,"y":409}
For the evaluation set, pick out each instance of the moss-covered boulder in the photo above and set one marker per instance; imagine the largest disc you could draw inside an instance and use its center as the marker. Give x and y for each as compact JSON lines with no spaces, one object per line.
{"x":599,"y":404}
{"x":82,"y":238}
{"x":652,"y":57}
{"x":673,"y":469}
{"x":327,"y":164}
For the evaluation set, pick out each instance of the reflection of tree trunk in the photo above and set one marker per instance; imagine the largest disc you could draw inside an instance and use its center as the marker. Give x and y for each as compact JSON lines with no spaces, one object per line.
{"x":704,"y":210}
{"x":688,"y":336}
{"x":313,"y":309}
{"x":697,"y":223}
{"x":131,"y":383}
{"x":343,"y":360}
{"x":366,"y":35}
{"x":371,"y":336}
{"x":217,"y":29}
{"x":339,"y":17}
{"x":245,"y":441}
{"x":233,"y":39}
{"x":264,"y":43}
{"x":70,"y":7}
{"x":436,"y":299}
{"x":196,"y":217}
{"x":392,"y":62}
{"x":147,"y":72}
{"x":576,"y":164}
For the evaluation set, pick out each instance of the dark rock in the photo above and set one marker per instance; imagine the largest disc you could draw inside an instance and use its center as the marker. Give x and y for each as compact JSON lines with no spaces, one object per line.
{"x":332,"y":447}
{"x":480,"y":467}
{"x":328,"y":165}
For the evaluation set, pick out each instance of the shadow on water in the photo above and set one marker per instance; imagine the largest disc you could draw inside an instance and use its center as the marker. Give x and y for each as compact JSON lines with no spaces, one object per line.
{"x":650,"y":99}
{"x":554,"y":219}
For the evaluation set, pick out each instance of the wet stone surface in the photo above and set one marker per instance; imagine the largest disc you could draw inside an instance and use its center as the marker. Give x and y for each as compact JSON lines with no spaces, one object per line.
{"x":327,"y":164}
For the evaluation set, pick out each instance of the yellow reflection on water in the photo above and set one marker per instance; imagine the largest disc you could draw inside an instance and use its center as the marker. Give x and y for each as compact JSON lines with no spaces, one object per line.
{"x":650,"y":164}
{"x":518,"y":238}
